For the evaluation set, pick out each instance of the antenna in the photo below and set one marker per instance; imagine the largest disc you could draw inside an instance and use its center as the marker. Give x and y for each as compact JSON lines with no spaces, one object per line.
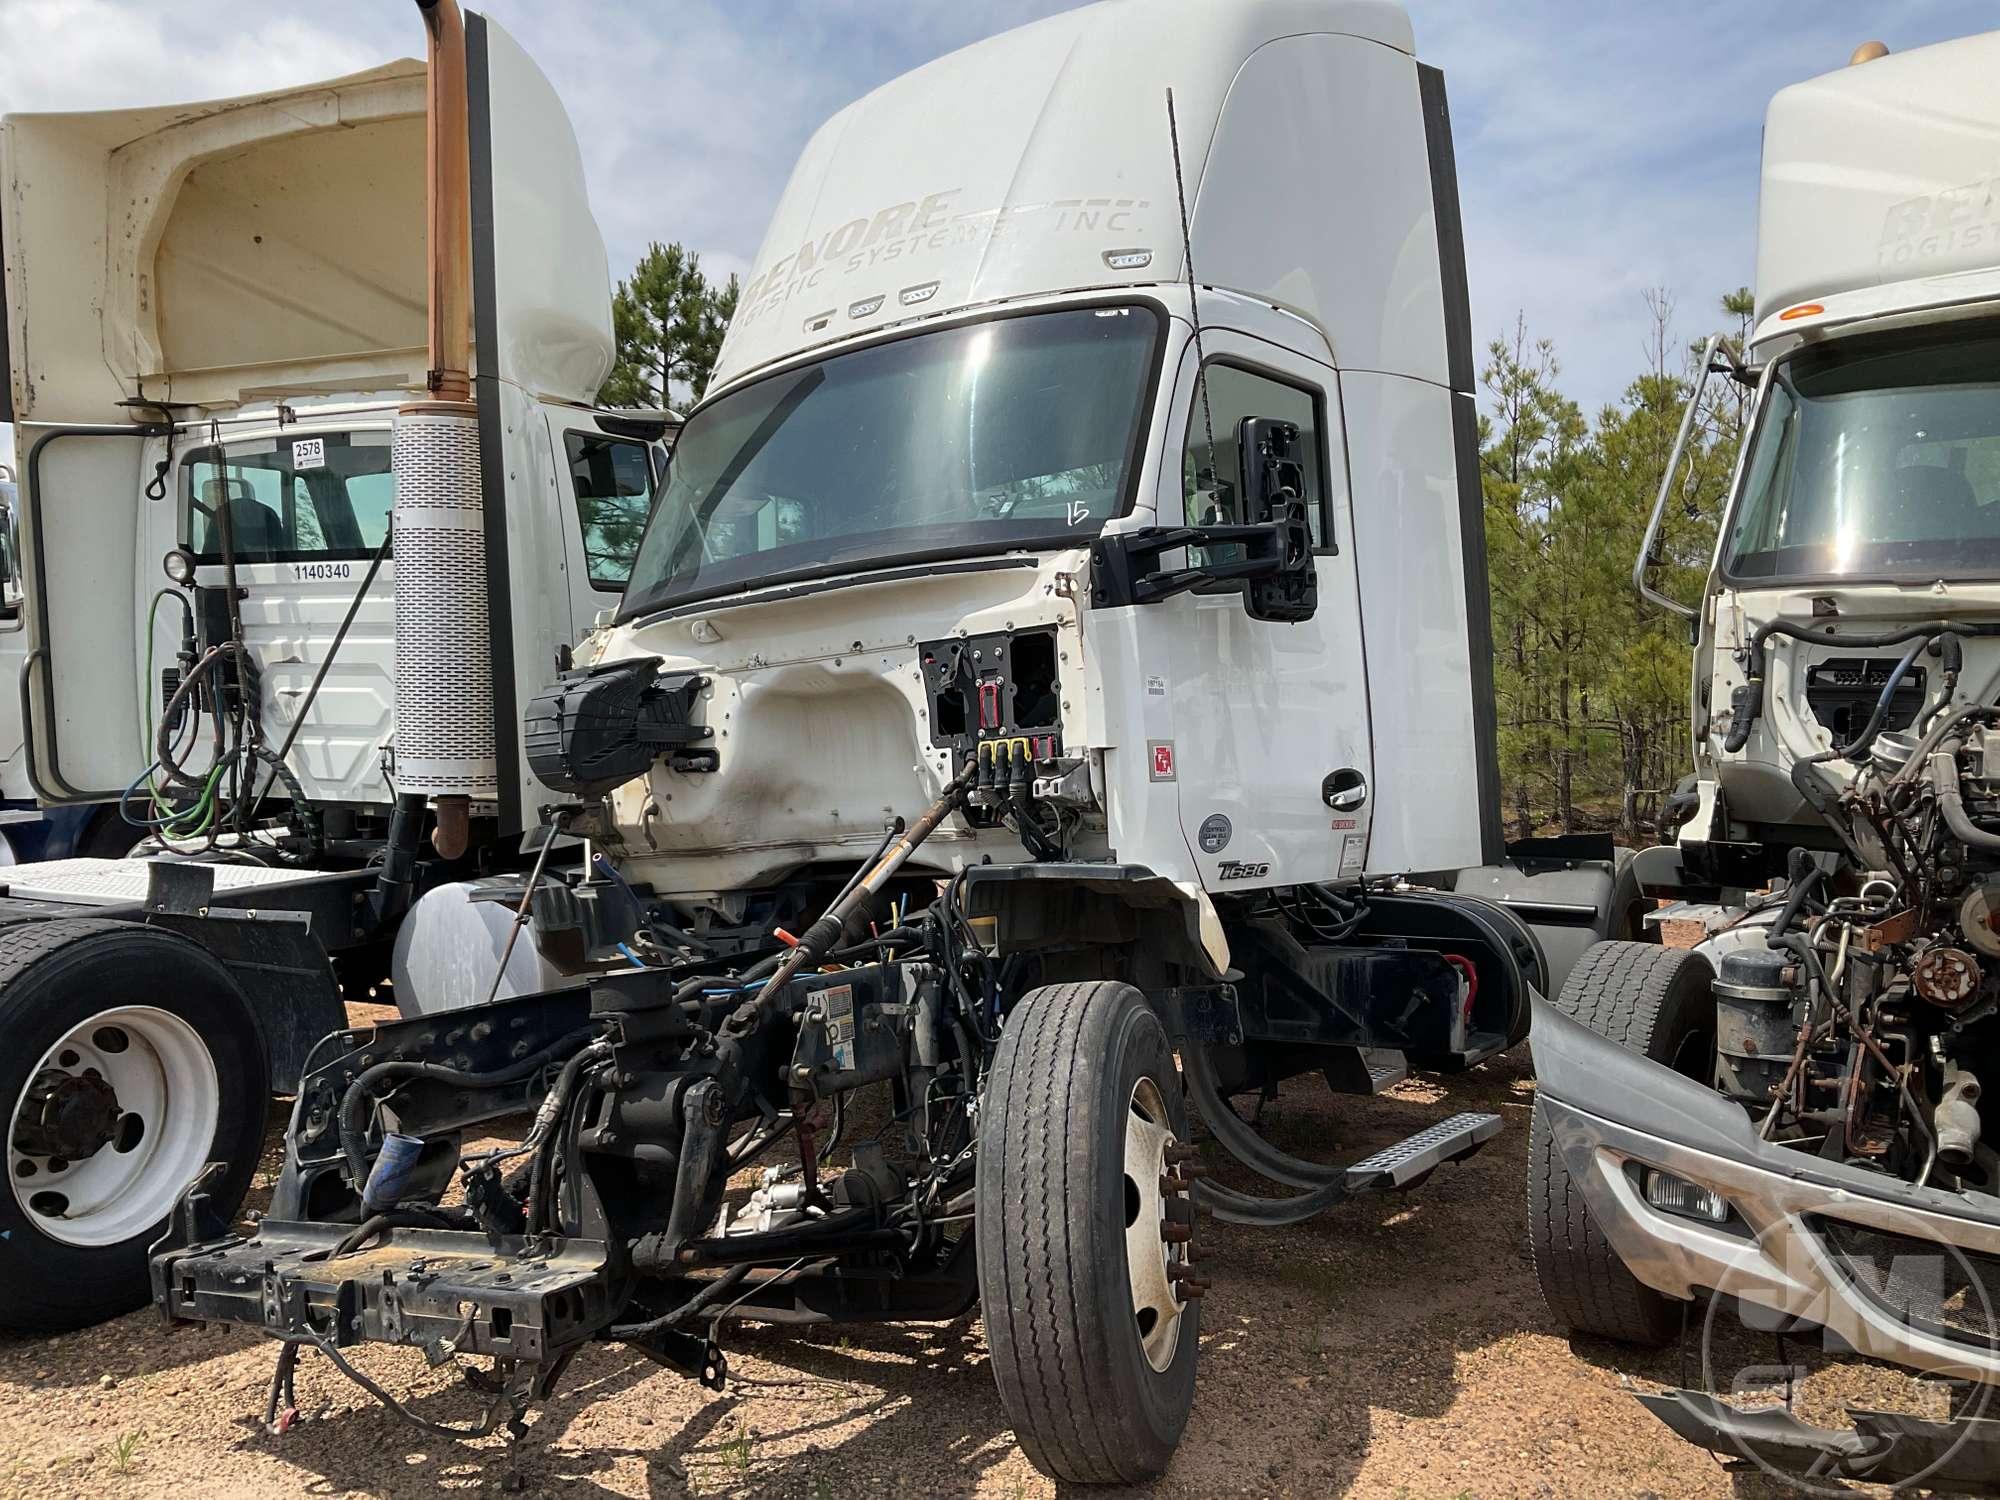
{"x":1194,"y":305}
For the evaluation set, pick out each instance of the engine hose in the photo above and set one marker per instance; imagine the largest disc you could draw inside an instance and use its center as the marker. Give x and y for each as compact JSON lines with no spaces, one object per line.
{"x":1951,"y":651}
{"x":353,"y":1103}
{"x":1749,"y":706}
{"x":1855,"y":748}
{"x":1240,"y":1140}
{"x":1951,"y":802}
{"x":1795,"y":900}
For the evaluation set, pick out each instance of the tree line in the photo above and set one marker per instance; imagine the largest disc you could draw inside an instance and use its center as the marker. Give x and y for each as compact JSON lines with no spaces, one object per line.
{"x":1591,"y":682}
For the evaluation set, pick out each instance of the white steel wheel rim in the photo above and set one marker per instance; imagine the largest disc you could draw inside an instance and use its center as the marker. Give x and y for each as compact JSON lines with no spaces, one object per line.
{"x":166,"y":1082}
{"x":1156,"y":1310}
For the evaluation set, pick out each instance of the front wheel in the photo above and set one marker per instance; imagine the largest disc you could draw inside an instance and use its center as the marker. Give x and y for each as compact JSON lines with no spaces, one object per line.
{"x":132,"y":1061}
{"x":1084,"y":1232}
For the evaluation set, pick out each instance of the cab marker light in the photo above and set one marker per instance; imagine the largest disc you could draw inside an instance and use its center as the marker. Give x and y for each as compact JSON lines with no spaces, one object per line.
{"x":1803,"y":310}
{"x":1128,"y":260}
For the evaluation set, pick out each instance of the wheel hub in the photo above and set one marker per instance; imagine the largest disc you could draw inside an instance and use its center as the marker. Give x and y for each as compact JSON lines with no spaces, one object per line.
{"x":116,"y":1120}
{"x":1159,"y":1224}
{"x":71,"y":1116}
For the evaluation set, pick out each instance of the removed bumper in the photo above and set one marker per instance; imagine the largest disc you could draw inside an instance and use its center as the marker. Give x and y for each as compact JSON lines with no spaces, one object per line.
{"x":1904,"y":1274}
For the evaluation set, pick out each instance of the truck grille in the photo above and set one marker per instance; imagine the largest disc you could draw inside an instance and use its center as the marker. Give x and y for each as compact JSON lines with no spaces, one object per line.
{"x":1939,"y":1288}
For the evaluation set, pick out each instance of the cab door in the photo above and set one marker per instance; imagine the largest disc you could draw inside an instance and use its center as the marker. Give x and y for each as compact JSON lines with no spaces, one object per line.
{"x":1271,"y":719}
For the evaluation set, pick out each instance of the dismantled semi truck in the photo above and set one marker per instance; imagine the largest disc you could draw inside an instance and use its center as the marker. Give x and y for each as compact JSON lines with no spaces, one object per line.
{"x":212,"y":315}
{"x":1051,"y":690}
{"x":1791,"y":1117}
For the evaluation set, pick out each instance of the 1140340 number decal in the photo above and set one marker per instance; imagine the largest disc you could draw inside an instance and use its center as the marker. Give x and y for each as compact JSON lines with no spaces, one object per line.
{"x":313,"y":572}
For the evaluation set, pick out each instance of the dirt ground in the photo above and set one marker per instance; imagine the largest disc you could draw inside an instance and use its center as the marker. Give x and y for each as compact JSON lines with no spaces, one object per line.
{"x":1397,"y":1347}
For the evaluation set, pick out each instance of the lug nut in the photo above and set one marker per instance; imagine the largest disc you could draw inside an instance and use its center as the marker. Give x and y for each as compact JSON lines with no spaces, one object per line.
{"x":1176,"y":1153}
{"x":1183,"y":1270}
{"x":1177,"y":1234}
{"x":1190,"y":1291}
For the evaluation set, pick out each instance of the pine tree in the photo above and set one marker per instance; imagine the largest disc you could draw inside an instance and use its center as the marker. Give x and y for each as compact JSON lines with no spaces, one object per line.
{"x":668,"y":322}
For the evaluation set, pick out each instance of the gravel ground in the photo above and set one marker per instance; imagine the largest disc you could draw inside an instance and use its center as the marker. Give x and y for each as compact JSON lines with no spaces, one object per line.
{"x":1395,"y":1348}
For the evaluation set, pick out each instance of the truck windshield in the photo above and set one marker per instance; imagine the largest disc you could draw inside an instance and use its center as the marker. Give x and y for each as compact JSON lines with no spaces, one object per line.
{"x":1877,"y":461}
{"x":1010,"y":433}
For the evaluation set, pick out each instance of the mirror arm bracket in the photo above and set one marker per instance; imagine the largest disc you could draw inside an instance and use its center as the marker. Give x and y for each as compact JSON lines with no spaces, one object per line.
{"x":1124,"y":568}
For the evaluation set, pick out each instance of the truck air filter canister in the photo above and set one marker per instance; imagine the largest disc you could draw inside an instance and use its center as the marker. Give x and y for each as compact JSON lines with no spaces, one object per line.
{"x":445,"y":733}
{"x":1755,"y":1025}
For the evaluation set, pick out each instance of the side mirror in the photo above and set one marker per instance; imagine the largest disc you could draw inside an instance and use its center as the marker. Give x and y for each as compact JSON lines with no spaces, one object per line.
{"x":1268,"y":550}
{"x":1274,"y":496}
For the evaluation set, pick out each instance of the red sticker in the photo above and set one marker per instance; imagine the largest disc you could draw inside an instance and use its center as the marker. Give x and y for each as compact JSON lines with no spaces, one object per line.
{"x":1163,"y":760}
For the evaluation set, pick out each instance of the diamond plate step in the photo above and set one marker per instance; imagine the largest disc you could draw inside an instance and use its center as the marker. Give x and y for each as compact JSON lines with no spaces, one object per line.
{"x":111,"y":882}
{"x":1403,"y":1163}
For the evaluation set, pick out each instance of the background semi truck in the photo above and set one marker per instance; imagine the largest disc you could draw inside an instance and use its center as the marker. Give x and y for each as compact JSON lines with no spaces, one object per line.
{"x":203,"y":389}
{"x":1792,"y":1114}
{"x":1056,"y":667}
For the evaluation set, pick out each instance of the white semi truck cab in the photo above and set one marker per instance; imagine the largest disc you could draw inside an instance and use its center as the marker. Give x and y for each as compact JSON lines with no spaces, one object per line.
{"x":1790,"y":1111}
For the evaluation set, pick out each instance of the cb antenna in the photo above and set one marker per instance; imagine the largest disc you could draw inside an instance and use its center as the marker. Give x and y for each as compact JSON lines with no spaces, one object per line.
{"x":1194,"y":304}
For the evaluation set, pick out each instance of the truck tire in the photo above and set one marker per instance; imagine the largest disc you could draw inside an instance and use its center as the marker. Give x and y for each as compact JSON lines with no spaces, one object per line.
{"x":1657,"y":1002}
{"x":1093,"y":1343}
{"x":132,"y":1061}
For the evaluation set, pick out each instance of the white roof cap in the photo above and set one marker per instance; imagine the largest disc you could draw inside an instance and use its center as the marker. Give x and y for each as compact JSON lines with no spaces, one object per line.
{"x":1880,"y":173}
{"x":1022,"y":165}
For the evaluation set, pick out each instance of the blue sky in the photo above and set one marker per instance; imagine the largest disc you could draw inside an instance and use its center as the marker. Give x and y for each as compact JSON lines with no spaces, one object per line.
{"x":1602,"y":148}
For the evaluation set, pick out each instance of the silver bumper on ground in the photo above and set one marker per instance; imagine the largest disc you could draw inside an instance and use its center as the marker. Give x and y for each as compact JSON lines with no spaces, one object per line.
{"x":1866,"y":1257}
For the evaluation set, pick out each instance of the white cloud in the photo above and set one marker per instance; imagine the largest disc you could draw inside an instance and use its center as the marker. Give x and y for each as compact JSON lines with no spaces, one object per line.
{"x":1603,"y":150}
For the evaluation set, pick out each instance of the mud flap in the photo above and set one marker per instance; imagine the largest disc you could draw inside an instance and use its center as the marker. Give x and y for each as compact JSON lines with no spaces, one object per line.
{"x":1881,"y":1448}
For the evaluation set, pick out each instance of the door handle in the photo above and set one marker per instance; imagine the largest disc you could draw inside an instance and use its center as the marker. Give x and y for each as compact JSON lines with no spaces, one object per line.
{"x":1344,"y":790}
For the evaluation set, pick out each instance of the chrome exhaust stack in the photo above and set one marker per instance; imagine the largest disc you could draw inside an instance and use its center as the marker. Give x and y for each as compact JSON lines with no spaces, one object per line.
{"x":445,"y":731}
